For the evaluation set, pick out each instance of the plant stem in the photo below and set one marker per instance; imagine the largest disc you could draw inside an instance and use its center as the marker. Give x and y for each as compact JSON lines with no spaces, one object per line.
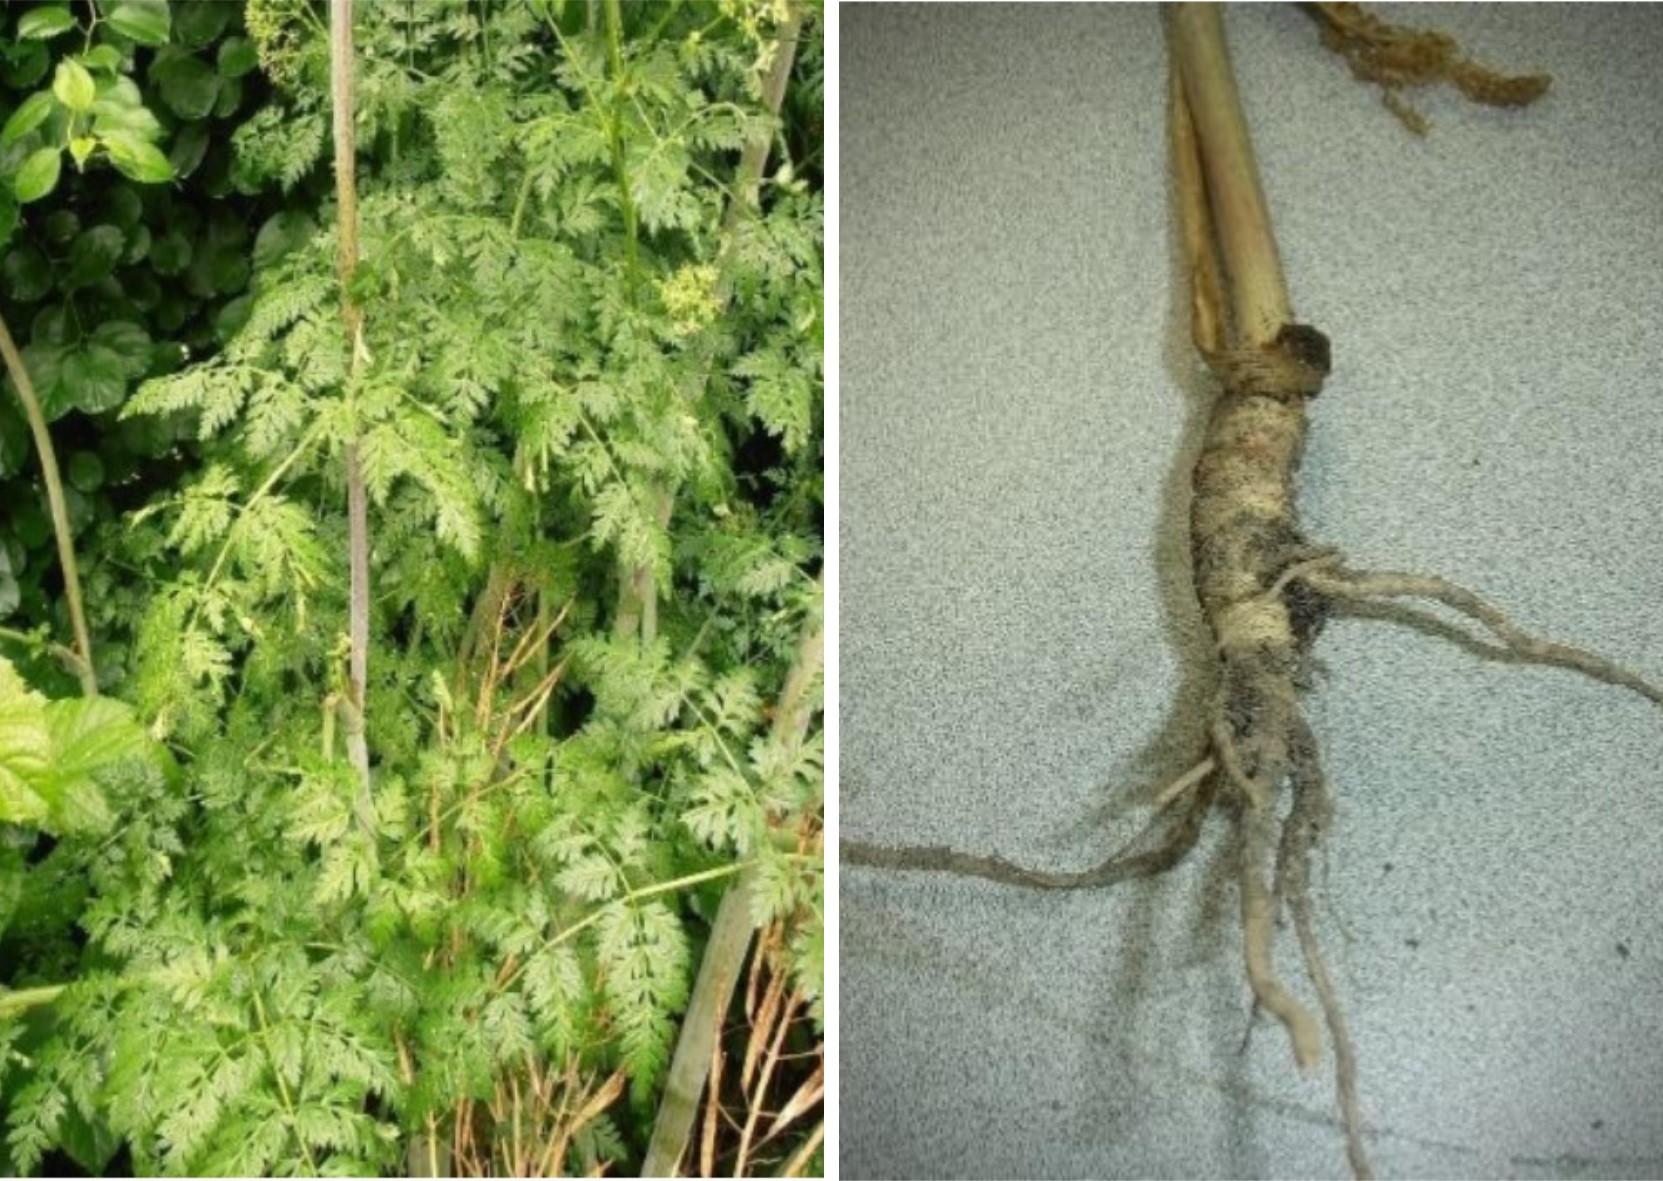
{"x":730,"y":939}
{"x":594,"y":916}
{"x":277,"y":1071}
{"x":1209,"y":328}
{"x":747,"y":180}
{"x":663,"y":22}
{"x":55,"y":502}
{"x":21,"y":1000}
{"x":68,"y":657}
{"x":1258,"y":291}
{"x":637,"y":596}
{"x":357,"y":500}
{"x":615,"y":137}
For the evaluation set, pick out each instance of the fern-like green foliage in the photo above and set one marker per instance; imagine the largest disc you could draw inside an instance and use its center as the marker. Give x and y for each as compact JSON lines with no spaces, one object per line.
{"x":579,"y":358}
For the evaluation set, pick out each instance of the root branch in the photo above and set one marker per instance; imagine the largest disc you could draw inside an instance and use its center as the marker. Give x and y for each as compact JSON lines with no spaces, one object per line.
{"x":1364,"y":585}
{"x":1258,"y":921}
{"x":1181,"y":835}
{"x":1307,"y":820}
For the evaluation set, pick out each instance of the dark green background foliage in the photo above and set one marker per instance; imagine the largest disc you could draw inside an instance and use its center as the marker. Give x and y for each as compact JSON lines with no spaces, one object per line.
{"x":108,"y":274}
{"x":576,"y":362}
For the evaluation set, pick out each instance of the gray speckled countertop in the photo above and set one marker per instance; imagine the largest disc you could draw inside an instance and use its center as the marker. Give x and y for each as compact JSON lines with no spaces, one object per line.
{"x":1021,"y":652}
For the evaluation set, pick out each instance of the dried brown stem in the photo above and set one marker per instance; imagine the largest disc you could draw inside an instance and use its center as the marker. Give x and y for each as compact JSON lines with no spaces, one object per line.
{"x":811,"y":1093}
{"x":769,"y":1062}
{"x":712,"y":1112}
{"x":798,"y":1161}
{"x":730,"y":934}
{"x":1259,"y":294}
{"x":604,"y":1096}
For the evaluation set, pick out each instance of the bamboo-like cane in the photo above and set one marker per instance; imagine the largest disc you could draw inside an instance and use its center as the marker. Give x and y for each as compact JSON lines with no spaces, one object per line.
{"x":1258,"y":291}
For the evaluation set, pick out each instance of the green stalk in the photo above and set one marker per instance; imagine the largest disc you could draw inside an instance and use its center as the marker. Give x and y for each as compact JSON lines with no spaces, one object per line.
{"x":352,"y":318}
{"x":68,"y":657}
{"x":21,"y":1000}
{"x":277,"y":1071}
{"x":615,"y":136}
{"x":55,"y":501}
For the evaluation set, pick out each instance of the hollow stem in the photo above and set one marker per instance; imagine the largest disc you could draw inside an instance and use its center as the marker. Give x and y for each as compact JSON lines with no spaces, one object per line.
{"x":1208,"y":327}
{"x":1258,"y":291}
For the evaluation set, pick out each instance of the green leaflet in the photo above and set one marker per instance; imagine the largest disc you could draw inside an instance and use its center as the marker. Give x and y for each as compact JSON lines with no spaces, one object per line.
{"x":53,"y":752}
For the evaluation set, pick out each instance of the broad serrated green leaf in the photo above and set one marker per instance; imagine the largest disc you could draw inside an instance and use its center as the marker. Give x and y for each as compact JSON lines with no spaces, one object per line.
{"x":85,"y":471}
{"x":236,"y":57}
{"x":26,"y":273}
{"x":282,"y":232}
{"x":130,"y":342}
{"x":93,"y":378}
{"x":25,"y":750}
{"x":105,"y":59}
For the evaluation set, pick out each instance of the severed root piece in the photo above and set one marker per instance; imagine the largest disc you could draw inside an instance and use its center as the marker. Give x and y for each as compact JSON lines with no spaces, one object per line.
{"x":1394,"y":58}
{"x":1181,"y":836}
{"x":1258,"y":921}
{"x":1338,"y":583}
{"x":1312,"y":809}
